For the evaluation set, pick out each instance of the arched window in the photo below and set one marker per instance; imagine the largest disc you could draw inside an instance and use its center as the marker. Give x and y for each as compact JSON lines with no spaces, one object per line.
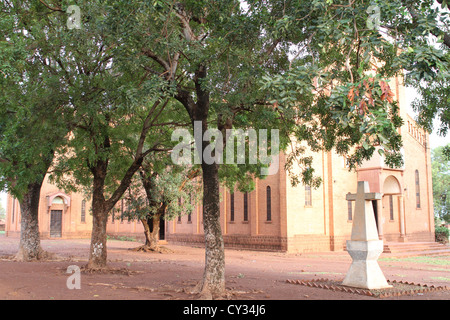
{"x":232,"y":207}
{"x":190,"y":212}
{"x":58,"y":200}
{"x":246,"y":206}
{"x":121,"y":211}
{"x":13,"y":209}
{"x":417,"y":190}
{"x":308,"y":196}
{"x":179,"y":205}
{"x":269,"y":203}
{"x":391,"y":207}
{"x":83,"y":211}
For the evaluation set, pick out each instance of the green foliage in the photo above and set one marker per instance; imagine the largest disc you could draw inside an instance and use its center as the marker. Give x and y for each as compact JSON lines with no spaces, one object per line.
{"x":302,"y":67}
{"x":337,"y":88}
{"x":330,"y":96}
{"x":440,"y":170}
{"x":34,"y":104}
{"x":441,"y":234}
{"x":162,"y":188}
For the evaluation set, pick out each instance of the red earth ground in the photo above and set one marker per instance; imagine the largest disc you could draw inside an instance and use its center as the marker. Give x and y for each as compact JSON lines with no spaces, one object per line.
{"x":250,"y":275}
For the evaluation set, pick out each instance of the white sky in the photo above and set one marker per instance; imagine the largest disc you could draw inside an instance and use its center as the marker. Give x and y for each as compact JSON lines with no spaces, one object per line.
{"x":435,"y":140}
{"x":3,"y":199}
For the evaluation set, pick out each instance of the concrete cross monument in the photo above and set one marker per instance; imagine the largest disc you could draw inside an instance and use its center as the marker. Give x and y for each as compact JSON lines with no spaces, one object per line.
{"x":364,"y":246}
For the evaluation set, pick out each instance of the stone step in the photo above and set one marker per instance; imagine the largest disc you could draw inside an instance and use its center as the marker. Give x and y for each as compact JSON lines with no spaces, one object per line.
{"x":416,"y":248}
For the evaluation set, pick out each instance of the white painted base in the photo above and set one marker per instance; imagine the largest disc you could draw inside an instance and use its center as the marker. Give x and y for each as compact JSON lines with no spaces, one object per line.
{"x":364,"y":271}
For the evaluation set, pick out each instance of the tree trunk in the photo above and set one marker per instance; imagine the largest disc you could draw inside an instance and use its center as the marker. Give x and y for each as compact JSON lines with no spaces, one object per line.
{"x":30,"y":242}
{"x":146,"y":222}
{"x":97,"y":251}
{"x":151,"y":231}
{"x":213,"y":284}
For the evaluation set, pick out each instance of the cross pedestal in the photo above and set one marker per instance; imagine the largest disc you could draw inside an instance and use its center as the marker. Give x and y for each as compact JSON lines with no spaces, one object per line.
{"x":364,"y":246}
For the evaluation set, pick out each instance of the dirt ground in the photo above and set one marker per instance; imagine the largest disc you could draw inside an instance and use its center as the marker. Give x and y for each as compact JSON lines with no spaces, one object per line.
{"x":250,"y":275}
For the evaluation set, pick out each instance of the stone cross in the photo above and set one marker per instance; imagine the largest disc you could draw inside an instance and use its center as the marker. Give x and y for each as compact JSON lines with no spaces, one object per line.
{"x":364,"y":246}
{"x":364,"y":226}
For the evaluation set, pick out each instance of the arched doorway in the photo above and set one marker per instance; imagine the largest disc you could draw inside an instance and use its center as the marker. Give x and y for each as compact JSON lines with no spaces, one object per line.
{"x":391,"y":186}
{"x":56,"y":218}
{"x":392,"y":210}
{"x":57,"y":204}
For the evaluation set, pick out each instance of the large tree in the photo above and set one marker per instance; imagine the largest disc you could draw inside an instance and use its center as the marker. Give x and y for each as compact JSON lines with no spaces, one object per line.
{"x":108,"y":122}
{"x":216,"y":54}
{"x":108,"y":144}
{"x":34,"y":112}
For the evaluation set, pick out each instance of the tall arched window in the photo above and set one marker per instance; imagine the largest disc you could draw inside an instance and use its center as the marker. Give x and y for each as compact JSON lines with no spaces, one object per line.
{"x":391,"y":207}
{"x":417,"y":189}
{"x":13,"y":209}
{"x":232,"y":207}
{"x":121,"y":211}
{"x":179,"y":205}
{"x":308,"y":196}
{"x":246,"y":206}
{"x":83,"y":211}
{"x":349,"y":210}
{"x":269,"y":203}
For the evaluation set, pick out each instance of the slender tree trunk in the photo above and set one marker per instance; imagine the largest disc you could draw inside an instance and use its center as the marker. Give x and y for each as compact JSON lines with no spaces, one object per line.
{"x":97,"y":251}
{"x":213,"y":284}
{"x":147,"y":232}
{"x":30,"y":243}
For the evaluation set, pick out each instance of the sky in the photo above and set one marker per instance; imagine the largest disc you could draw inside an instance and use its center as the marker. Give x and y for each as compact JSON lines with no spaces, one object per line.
{"x":435,"y":140}
{"x":3,"y":199}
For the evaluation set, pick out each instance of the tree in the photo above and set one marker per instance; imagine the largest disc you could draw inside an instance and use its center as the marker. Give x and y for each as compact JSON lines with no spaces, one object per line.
{"x":440,"y":170}
{"x":77,"y":81}
{"x":165,"y":191}
{"x":230,"y":67}
{"x":103,"y":153}
{"x":189,"y":45}
{"x":33,"y":112}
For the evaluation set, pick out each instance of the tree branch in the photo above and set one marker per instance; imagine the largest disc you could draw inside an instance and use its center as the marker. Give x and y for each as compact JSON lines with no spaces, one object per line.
{"x":51,"y":8}
{"x":138,"y":158}
{"x":149,"y":53}
{"x":415,"y":17}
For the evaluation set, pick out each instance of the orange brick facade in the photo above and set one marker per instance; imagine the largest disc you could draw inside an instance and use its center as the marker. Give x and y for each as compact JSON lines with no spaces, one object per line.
{"x":276,"y":215}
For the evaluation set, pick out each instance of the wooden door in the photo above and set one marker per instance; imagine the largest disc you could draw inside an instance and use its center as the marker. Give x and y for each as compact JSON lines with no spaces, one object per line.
{"x":55,"y":223}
